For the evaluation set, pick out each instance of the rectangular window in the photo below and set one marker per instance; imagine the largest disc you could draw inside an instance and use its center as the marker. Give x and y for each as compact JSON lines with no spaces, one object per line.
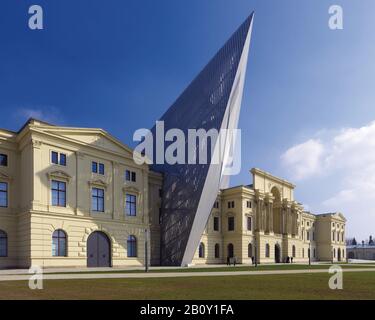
{"x":58,"y":158}
{"x":58,"y":193}
{"x":94,"y":167}
{"x":230,"y":204}
{"x":333,"y":235}
{"x":230,"y":223}
{"x":97,"y":199}
{"x":54,"y":157}
{"x":3,"y":160}
{"x":101,"y":168}
{"x":249,"y":223}
{"x":216,"y":223}
{"x":216,"y":205}
{"x":62,"y":159}
{"x":131,"y":205}
{"x":307,"y":235}
{"x":248,"y":204}
{"x":3,"y":195}
{"x":130,"y":176}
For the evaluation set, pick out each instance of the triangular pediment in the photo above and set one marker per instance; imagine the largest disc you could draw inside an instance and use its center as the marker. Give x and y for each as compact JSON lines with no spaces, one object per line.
{"x":92,"y":137}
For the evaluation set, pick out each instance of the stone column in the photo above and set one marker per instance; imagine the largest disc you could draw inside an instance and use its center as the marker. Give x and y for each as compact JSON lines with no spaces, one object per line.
{"x":270,"y":209}
{"x":80,"y":183}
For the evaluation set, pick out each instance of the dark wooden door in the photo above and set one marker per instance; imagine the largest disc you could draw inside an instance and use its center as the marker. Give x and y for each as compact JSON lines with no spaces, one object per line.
{"x":277,"y":254}
{"x":98,"y":250}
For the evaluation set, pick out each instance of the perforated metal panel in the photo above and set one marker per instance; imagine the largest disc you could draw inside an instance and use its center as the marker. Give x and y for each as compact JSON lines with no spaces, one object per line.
{"x":202,"y":105}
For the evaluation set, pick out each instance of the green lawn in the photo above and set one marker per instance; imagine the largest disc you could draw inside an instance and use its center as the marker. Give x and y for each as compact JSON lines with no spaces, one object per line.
{"x":357,"y":285}
{"x":226,"y":268}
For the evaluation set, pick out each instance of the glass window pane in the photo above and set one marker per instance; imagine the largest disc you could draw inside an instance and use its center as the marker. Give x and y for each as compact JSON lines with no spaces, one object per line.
{"x":54,"y":247}
{"x":62,"y":247}
{"x":94,"y":204}
{"x":127,"y":175}
{"x":133,"y":176}
{"x":54,"y":157}
{"x":54,"y":185}
{"x":94,"y":167}
{"x":100,"y":204}
{"x":62,"y":159}
{"x":62,"y":200}
{"x":62,"y":186}
{"x":101,"y":193}
{"x":3,"y":199}
{"x":101,"y":168}
{"x":3,"y":160}
{"x":3,"y":186}
{"x":55,"y":198}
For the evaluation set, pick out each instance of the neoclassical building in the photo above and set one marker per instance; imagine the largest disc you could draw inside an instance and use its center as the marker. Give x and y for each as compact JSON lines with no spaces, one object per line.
{"x":72,"y":197}
{"x":75,"y":197}
{"x":263,"y":221}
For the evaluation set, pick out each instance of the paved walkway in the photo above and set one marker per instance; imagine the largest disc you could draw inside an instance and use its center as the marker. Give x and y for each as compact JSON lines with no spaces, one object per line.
{"x":85,"y":269}
{"x":82,"y":276}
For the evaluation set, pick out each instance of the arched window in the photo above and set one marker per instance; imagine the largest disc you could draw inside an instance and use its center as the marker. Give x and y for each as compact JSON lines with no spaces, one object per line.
{"x":217,"y":250}
{"x":59,"y":243}
{"x":201,"y":250}
{"x":294,"y":251}
{"x":132,"y":246}
{"x":249,"y":250}
{"x":3,"y":244}
{"x":267,"y":250}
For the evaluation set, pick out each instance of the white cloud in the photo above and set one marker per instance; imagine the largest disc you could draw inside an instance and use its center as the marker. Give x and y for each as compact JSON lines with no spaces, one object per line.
{"x":344,"y":160}
{"x":47,"y":114}
{"x":304,"y":159}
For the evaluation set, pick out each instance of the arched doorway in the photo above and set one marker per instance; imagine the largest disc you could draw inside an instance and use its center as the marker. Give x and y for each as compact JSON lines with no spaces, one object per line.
{"x":230,"y":251}
{"x":98,"y":250}
{"x":277,"y":253}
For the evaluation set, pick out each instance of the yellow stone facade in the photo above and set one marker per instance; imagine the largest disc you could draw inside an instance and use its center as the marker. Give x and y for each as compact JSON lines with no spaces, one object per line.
{"x":30,"y":219}
{"x":269,"y":225}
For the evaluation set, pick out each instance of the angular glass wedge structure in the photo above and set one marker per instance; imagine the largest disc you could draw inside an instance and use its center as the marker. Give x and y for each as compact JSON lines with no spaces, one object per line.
{"x":211,"y":101}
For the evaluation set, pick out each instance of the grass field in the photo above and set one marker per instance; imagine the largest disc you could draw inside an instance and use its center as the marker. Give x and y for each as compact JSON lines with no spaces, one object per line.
{"x":360,"y":285}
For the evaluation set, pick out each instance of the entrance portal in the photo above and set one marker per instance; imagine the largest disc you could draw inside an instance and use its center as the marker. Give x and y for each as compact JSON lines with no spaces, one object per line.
{"x":98,"y":250}
{"x":277,"y":253}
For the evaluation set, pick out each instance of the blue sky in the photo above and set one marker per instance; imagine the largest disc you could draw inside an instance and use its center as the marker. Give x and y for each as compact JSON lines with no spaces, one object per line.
{"x":308,"y":107}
